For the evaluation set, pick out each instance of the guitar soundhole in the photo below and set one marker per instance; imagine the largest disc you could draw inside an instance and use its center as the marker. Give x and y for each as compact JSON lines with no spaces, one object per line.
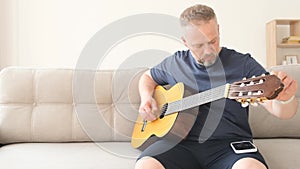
{"x":163,"y":111}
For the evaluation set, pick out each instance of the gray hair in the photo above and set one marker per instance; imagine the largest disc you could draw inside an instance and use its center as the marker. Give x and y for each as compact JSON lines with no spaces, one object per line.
{"x":196,"y":13}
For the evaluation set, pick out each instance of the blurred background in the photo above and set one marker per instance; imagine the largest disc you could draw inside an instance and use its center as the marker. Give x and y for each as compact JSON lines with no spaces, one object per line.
{"x":52,"y":33}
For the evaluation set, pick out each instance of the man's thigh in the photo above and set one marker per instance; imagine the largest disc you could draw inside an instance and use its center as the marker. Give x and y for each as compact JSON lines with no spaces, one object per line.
{"x":246,"y":163}
{"x":177,"y":157}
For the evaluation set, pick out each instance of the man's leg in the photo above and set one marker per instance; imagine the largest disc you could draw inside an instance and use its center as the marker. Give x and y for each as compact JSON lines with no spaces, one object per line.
{"x":248,"y":163}
{"x":148,"y":163}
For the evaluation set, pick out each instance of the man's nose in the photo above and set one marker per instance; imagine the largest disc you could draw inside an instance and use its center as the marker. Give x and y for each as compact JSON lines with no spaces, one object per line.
{"x":208,"y":48}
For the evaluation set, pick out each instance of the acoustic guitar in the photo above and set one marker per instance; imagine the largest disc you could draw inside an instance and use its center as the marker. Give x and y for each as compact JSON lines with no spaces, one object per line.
{"x":171,"y":102}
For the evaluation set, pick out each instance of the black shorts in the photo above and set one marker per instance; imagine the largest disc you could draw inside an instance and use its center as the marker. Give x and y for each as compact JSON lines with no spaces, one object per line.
{"x":194,"y":155}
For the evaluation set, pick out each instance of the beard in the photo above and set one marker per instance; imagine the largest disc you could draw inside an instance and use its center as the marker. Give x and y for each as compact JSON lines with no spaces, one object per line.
{"x":208,"y":59}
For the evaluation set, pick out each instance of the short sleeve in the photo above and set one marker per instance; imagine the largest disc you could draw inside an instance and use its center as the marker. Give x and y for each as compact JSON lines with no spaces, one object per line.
{"x":253,"y":68}
{"x":162,"y":74}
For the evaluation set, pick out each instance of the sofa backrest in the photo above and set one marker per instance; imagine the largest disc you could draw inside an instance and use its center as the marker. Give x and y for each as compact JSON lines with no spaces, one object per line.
{"x":265,"y":125}
{"x":59,"y":105}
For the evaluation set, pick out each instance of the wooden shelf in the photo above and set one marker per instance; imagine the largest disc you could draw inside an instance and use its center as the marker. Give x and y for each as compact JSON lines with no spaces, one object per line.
{"x":286,"y":21}
{"x":288,"y":45}
{"x":276,"y":30}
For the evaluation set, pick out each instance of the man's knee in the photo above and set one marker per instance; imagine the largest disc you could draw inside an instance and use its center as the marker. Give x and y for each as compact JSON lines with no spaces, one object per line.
{"x":148,"y":163}
{"x":248,"y":163}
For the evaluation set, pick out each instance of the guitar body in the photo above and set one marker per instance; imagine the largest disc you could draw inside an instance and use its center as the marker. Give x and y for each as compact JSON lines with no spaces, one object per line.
{"x":159,"y":127}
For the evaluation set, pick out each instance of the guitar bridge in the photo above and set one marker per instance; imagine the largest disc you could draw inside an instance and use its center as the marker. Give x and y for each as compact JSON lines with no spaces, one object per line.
{"x":163,"y":111}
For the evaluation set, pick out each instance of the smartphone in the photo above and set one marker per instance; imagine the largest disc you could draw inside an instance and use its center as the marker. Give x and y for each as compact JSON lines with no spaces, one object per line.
{"x":243,"y":147}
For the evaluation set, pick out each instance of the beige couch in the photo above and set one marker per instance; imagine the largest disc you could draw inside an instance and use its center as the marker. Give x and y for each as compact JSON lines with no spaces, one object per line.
{"x":66,"y":119}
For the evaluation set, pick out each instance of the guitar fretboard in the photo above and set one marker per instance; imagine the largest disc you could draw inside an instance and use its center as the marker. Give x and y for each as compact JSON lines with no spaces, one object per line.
{"x":198,"y":99}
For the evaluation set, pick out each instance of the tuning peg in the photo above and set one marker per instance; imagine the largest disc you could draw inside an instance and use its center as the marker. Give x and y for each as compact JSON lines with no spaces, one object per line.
{"x":245,"y":104}
{"x":240,"y":94}
{"x":261,"y":81}
{"x":249,"y":93}
{"x":244,"y":78}
{"x":242,"y":85}
{"x":258,"y":93}
{"x":253,"y":76}
{"x":251,"y":83}
{"x":255,"y":104}
{"x":260,"y":100}
{"x":263,"y":74}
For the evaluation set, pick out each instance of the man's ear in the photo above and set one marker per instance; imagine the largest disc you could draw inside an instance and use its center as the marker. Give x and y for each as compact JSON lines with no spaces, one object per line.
{"x":184,"y":42}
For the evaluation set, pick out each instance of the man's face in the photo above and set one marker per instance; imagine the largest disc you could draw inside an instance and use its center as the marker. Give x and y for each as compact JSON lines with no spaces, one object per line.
{"x":202,"y":38}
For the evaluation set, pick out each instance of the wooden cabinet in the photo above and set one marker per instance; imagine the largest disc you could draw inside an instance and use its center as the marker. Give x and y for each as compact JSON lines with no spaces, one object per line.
{"x":277,"y":51}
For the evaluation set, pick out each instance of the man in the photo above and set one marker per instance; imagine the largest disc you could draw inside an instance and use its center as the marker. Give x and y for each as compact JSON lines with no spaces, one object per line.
{"x":206,"y":60}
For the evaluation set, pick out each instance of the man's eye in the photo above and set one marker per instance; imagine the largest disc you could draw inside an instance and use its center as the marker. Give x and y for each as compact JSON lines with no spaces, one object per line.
{"x":212,"y":42}
{"x":199,"y":46}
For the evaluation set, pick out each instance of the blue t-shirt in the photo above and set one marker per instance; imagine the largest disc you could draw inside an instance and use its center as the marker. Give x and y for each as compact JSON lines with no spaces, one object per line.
{"x":213,"y":121}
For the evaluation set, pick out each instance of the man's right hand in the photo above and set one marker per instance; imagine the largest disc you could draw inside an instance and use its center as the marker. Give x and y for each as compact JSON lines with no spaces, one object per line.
{"x":149,"y":109}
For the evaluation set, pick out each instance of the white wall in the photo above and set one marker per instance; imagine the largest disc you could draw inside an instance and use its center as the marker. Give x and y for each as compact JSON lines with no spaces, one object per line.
{"x":8,"y":33}
{"x":52,"y":33}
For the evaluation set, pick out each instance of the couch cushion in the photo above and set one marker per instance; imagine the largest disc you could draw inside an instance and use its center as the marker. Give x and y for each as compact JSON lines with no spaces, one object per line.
{"x":265,"y":125}
{"x":280,"y":153}
{"x":61,"y":105}
{"x":114,"y":155}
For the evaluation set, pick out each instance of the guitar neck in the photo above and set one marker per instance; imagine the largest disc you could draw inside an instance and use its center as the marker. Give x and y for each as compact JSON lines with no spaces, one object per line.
{"x":198,"y":99}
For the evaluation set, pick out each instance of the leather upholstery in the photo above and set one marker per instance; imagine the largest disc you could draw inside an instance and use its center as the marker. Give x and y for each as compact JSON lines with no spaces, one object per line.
{"x":52,"y":118}
{"x":55,"y":105}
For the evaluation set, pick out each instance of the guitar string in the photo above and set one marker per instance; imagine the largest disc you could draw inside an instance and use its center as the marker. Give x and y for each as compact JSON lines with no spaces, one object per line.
{"x":196,"y":100}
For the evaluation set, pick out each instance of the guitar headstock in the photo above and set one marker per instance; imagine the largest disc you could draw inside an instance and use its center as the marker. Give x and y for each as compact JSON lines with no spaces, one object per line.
{"x":255,"y":89}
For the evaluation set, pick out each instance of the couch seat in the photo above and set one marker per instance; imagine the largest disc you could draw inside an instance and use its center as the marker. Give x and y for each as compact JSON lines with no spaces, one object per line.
{"x":116,"y":155}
